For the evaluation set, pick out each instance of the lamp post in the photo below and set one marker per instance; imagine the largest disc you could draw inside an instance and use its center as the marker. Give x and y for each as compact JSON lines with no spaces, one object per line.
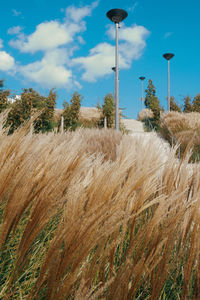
{"x":116,"y":15}
{"x":142,"y":78}
{"x":168,"y":56}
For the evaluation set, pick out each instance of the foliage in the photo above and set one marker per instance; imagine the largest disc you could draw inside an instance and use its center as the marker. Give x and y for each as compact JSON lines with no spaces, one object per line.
{"x":71,"y":112}
{"x":15,"y":116}
{"x":89,"y":123}
{"x":173,"y":105}
{"x":4,"y":100}
{"x":1,"y":84}
{"x":3,"y":97}
{"x":45,"y":122}
{"x":152,"y":103}
{"x":90,"y":215}
{"x":30,"y":102}
{"x":150,"y":93}
{"x":188,"y":107}
{"x":107,"y":111}
{"x":196,"y":103}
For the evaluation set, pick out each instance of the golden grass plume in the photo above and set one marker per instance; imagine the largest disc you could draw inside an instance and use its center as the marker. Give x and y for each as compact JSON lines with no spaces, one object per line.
{"x":94,"y":214}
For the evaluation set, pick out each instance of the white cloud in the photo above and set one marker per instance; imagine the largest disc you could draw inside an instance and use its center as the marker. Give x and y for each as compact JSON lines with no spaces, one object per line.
{"x":16,"y":13}
{"x":7,"y":62}
{"x":1,"y":43}
{"x":47,"y":75}
{"x":77,"y":14}
{"x":102,"y":57}
{"x":14,"y":30}
{"x":98,"y":63}
{"x":48,"y":35}
{"x":134,"y":34}
{"x":58,"y":41}
{"x":134,"y":38}
{"x":50,"y":71}
{"x":56,"y":57}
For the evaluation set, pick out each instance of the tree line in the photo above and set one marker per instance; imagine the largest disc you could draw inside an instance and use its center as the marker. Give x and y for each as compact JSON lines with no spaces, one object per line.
{"x":152,"y":102}
{"x":30,"y":102}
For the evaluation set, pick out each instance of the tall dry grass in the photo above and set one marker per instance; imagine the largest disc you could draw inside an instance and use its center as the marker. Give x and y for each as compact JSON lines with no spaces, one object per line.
{"x":144,"y":114}
{"x":93,"y":214}
{"x":186,"y":129}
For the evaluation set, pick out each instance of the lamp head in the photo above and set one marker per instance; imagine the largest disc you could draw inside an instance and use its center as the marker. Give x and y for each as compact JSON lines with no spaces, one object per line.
{"x":168,"y":56}
{"x":116,"y":15}
{"x":142,"y":78}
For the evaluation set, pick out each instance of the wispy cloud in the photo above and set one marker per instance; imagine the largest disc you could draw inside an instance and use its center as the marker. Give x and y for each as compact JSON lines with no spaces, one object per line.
{"x":14,"y":30}
{"x":167,"y":34}
{"x":16,"y":13}
{"x":77,"y":14}
{"x":133,"y":7}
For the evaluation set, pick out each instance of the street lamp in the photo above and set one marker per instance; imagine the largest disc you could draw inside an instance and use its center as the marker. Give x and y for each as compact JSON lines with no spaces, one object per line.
{"x":142,"y":78}
{"x":116,"y":15}
{"x":168,"y":56}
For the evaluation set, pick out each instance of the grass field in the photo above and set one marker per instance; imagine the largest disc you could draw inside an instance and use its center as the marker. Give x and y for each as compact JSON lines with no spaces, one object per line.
{"x":95,"y":214}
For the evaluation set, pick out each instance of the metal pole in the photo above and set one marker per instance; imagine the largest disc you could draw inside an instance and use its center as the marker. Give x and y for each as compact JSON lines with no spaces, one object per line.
{"x":142,"y":94}
{"x":117,"y":81}
{"x":168,"y":86}
{"x":168,"y":56}
{"x":62,"y":124}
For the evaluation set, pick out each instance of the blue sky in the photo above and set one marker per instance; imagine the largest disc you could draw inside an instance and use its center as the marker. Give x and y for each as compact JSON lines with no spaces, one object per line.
{"x":69,"y":45}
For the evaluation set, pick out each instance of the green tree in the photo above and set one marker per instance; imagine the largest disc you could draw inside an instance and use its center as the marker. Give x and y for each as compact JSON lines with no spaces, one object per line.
{"x":173,"y":105}
{"x":30,"y":102}
{"x":20,"y":111}
{"x":15,"y":116}
{"x":150,"y":94}
{"x":187,"y":107}
{"x":152,"y":102}
{"x":71,"y":112}
{"x":196,"y":103}
{"x":107,"y":111}
{"x":4,"y":103}
{"x":45,"y":122}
